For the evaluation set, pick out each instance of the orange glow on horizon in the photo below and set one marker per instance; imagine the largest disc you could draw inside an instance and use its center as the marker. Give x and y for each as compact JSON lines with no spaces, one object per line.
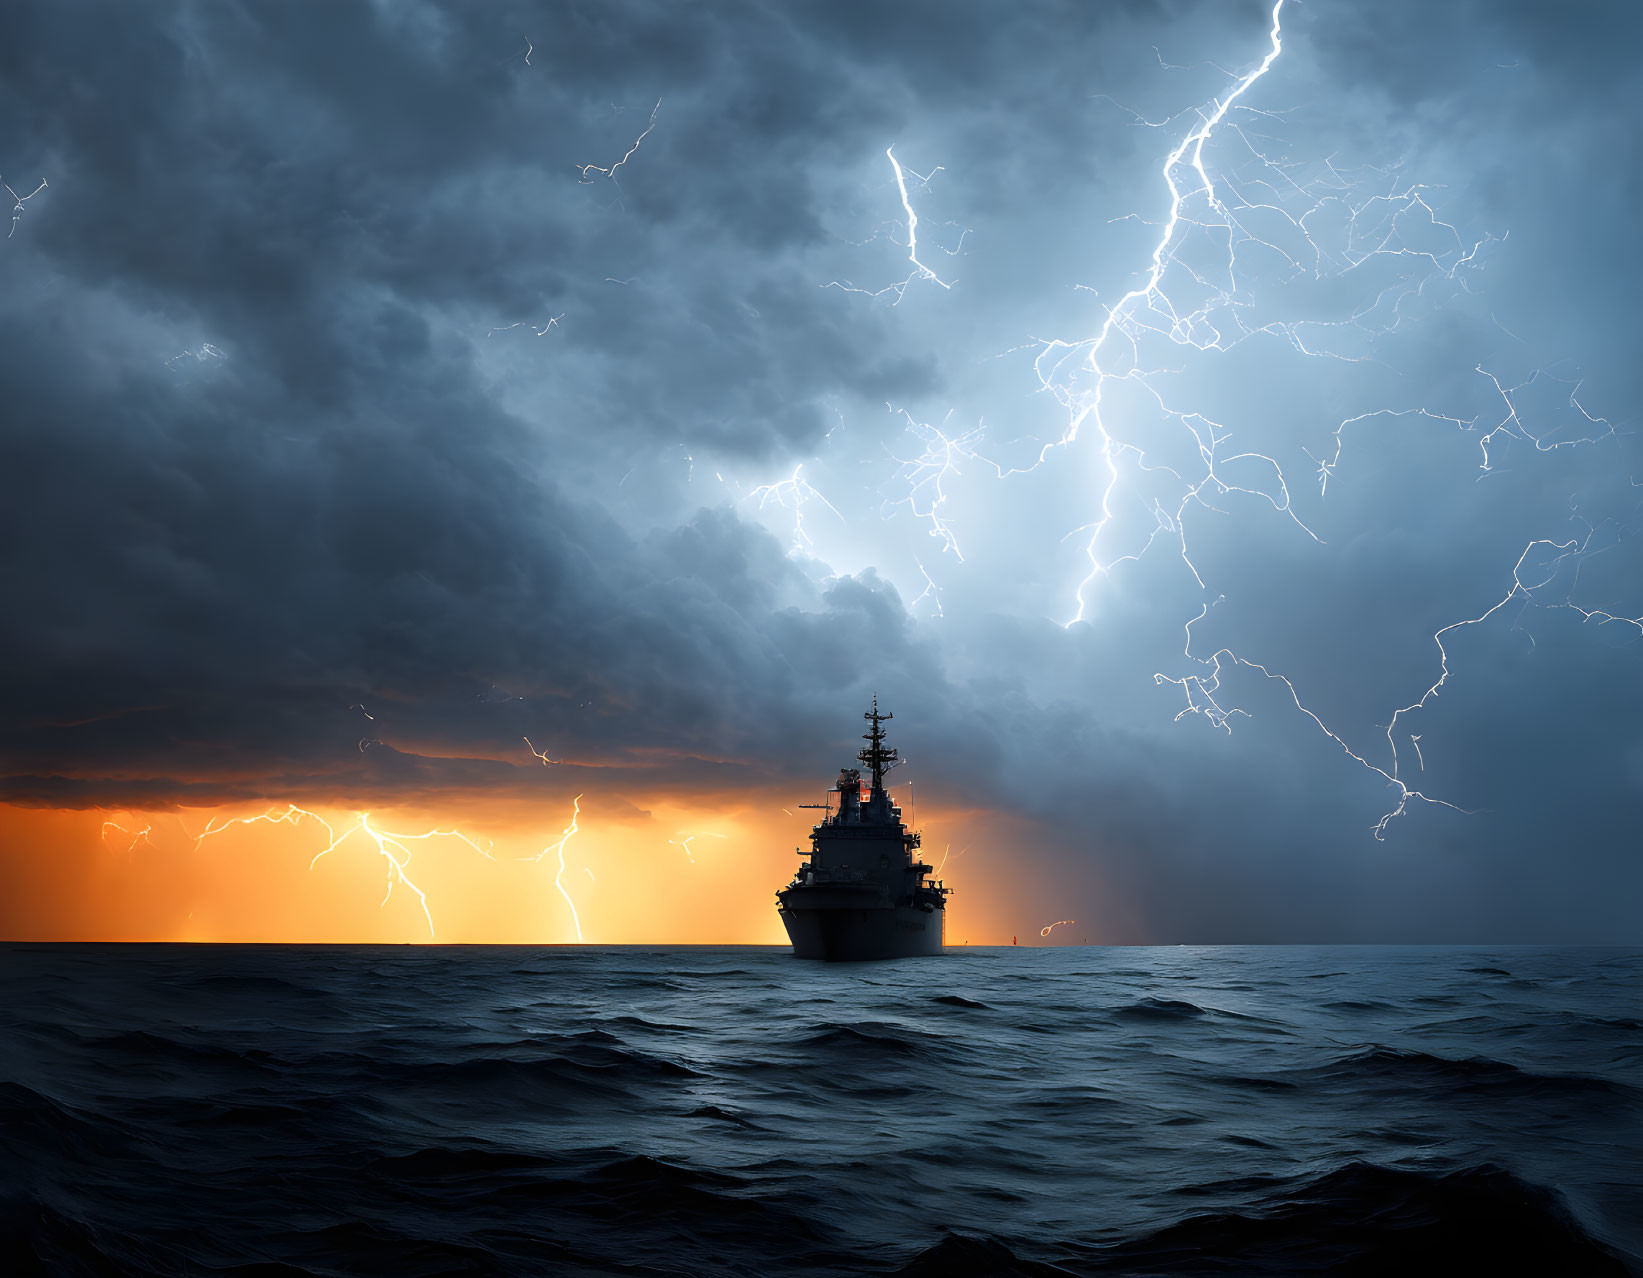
{"x":692,"y":870}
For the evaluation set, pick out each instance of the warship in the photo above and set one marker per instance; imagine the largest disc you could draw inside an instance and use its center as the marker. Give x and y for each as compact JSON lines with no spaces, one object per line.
{"x":862,"y":893}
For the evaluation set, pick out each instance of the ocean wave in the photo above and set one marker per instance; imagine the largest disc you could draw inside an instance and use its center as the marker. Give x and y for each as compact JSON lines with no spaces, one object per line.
{"x":1364,"y":1219}
{"x":38,"y":1239}
{"x":1159,"y":1009}
{"x":707,"y":1200}
{"x":653,"y":1027}
{"x":404,"y":1246}
{"x":36,"y":1129}
{"x":589,"y":1067}
{"x":145,"y":1049}
{"x":250,"y":984}
{"x":465,"y":1162}
{"x":616,"y":1113}
{"x":282,"y":1117}
{"x":1253,"y":1082}
{"x":866,"y":1040}
{"x":1403,"y":1067}
{"x":963,"y":1256}
{"x":1626,"y":1023}
{"x":724,"y":1115}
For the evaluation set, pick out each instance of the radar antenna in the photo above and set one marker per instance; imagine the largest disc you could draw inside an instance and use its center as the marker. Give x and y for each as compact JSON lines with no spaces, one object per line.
{"x":875,"y":756}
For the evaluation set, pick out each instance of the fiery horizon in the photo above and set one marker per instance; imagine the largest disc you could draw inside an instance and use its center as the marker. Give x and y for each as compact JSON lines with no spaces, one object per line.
{"x":334,"y":874}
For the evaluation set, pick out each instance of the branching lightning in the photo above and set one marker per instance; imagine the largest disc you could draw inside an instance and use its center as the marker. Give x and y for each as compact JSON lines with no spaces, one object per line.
{"x":920,"y":271}
{"x":586,"y":169}
{"x":1331,"y":225}
{"x":391,"y":845}
{"x":931,"y":591}
{"x":17,"y":203}
{"x":684,"y":841}
{"x":794,"y":493}
{"x":204,"y":352}
{"x":553,"y":323}
{"x":1211,"y":311}
{"x":291,"y":816}
{"x":387,"y":842}
{"x":541,"y":757}
{"x":133,"y":837}
{"x":923,"y":477}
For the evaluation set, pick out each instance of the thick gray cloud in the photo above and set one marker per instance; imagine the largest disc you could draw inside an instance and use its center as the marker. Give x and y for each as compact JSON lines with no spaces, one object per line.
{"x":288,"y":430}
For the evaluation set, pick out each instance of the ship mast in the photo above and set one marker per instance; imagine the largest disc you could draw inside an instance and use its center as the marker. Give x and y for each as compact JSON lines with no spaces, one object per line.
{"x":875,"y":756}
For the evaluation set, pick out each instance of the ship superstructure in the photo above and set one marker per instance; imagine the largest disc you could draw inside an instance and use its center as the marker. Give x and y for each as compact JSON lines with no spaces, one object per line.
{"x":862,"y":892}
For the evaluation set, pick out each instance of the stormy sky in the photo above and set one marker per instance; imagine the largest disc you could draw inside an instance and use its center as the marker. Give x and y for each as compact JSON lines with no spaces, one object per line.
{"x":561,"y":371}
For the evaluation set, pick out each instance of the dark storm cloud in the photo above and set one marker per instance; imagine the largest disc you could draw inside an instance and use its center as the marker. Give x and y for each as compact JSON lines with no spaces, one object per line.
{"x":339,"y":508}
{"x":362,"y":495}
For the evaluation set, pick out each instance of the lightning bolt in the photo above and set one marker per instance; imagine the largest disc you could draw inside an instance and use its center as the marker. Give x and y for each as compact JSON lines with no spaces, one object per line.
{"x":553,"y":323}
{"x":946,"y":852}
{"x":1378,"y":218}
{"x":391,"y":845}
{"x":206,"y":351}
{"x":1147,"y":307}
{"x":134,"y":837}
{"x":540,"y":756}
{"x":920,"y":271}
{"x":17,"y":203}
{"x":387,"y":843}
{"x":585,"y":169}
{"x":291,"y":816}
{"x":924,"y":477}
{"x":683,"y":843}
{"x":1568,"y":550}
{"x":558,"y":849}
{"x":931,"y":591}
{"x":794,"y":493}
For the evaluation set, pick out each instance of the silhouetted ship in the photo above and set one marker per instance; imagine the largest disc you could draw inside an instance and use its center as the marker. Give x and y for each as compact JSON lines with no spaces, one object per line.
{"x":862,"y":894}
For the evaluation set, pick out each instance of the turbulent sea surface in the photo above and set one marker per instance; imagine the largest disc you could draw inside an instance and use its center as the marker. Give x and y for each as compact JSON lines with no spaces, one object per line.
{"x":370,"y":1110}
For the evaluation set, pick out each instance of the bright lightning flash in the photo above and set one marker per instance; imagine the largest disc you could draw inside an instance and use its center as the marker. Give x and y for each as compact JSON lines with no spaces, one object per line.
{"x":1327,"y":226}
{"x":920,"y":271}
{"x":389,"y":844}
{"x":134,"y":837}
{"x":541,"y":757}
{"x":794,"y":493}
{"x":558,"y":849}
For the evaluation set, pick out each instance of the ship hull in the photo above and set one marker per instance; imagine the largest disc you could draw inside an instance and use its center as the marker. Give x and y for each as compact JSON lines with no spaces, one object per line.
{"x":850,"y":935}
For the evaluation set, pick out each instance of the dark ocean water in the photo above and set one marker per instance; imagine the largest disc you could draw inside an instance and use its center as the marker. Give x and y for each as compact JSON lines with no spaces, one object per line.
{"x":370,"y":1110}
